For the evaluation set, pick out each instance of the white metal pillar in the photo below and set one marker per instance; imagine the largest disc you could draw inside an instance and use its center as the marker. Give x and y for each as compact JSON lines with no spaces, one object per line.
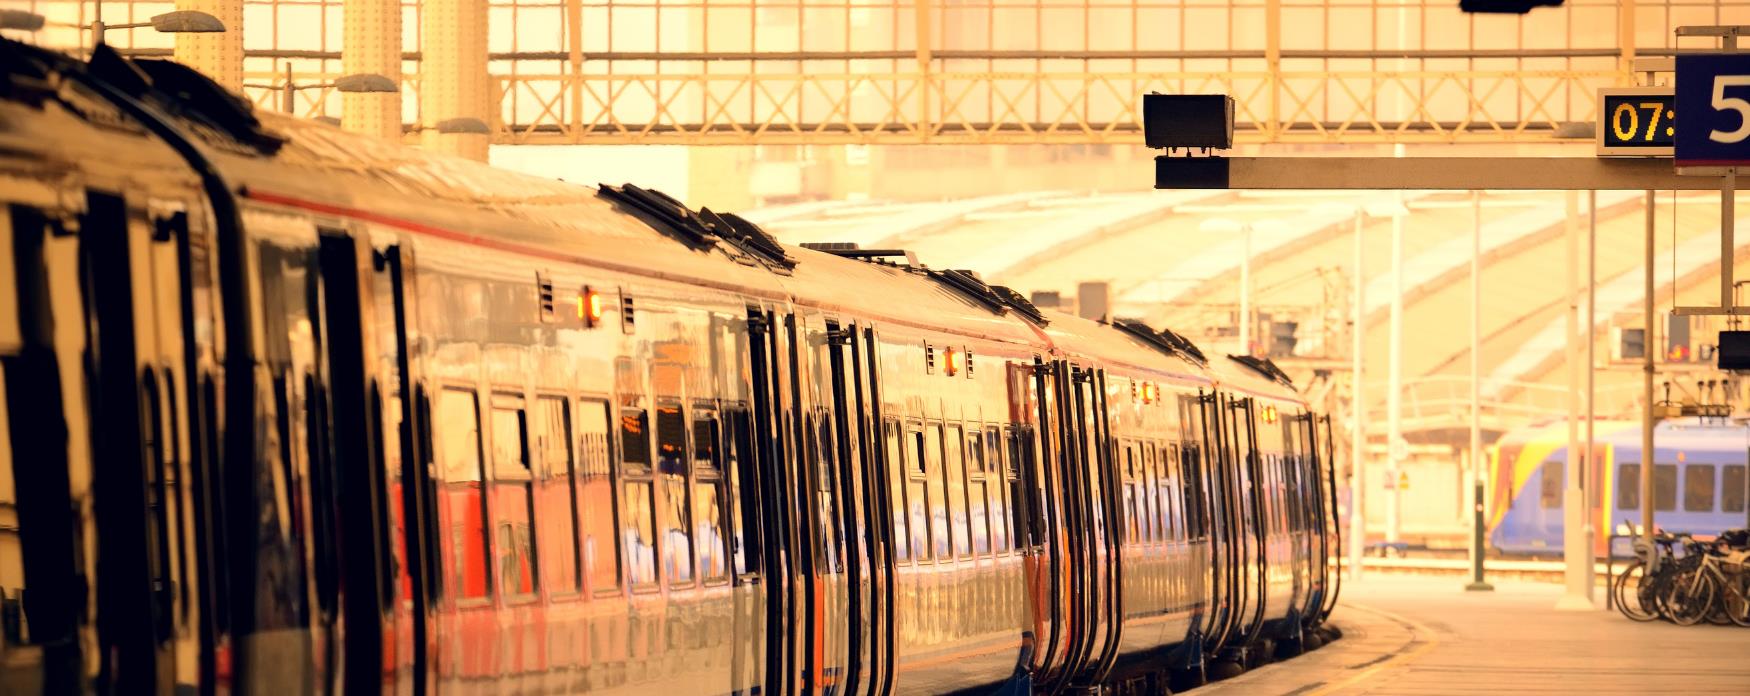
{"x":1477,"y":460}
{"x":1588,"y":484}
{"x":1574,"y":550}
{"x":218,"y":55}
{"x":1648,"y":339}
{"x":1246,"y":289}
{"x":1358,"y":409}
{"x":372,"y":44}
{"x":453,"y":81}
{"x":1395,"y":388}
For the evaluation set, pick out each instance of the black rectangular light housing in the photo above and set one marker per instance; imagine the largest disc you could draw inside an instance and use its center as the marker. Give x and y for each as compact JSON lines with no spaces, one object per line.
{"x":1188,"y":120}
{"x":1734,"y":350}
{"x":1504,"y":6}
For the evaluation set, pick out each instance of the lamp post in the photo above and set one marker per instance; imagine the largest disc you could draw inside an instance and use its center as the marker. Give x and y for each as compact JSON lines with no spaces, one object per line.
{"x":363,"y":83}
{"x":178,"y":22}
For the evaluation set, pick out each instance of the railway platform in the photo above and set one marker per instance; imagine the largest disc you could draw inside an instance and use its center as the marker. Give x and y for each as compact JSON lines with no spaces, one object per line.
{"x":1426,"y":635}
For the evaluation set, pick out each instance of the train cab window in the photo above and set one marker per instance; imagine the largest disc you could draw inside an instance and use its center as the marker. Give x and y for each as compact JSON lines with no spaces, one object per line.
{"x":597,"y":512}
{"x":552,"y":434}
{"x":1551,"y":477}
{"x":1665,"y":486}
{"x":708,"y":501}
{"x":916,"y":494}
{"x":738,"y":466}
{"x":512,"y":503}
{"x":941,"y":544}
{"x":675,"y":509}
{"x":977,"y":493}
{"x":1698,"y":488}
{"x":1628,"y":486}
{"x":638,"y":494}
{"x":954,"y":474}
{"x":1732,"y":488}
{"x":456,"y":427}
{"x":896,"y":488}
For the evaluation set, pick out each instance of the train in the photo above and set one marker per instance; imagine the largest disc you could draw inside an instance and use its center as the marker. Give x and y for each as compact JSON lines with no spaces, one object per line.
{"x":292,"y":410}
{"x":1699,"y":483}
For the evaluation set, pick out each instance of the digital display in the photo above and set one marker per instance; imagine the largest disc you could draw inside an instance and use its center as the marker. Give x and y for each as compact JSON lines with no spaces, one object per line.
{"x":1637,"y":121}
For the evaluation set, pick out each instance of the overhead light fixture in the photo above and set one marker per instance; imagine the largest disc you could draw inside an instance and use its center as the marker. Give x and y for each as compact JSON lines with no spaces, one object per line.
{"x":182,"y":22}
{"x":466,"y":125}
{"x":365,"y":83}
{"x":21,"y":20}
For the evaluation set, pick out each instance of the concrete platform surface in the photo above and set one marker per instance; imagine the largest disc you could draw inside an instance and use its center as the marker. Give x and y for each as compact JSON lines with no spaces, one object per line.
{"x":1426,"y":635}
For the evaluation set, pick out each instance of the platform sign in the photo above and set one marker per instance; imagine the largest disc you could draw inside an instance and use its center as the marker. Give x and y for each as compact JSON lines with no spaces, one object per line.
{"x":1636,"y":121}
{"x":1713,"y":94}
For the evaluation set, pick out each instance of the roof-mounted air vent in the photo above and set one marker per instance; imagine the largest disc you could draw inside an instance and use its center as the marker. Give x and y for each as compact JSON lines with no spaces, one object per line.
{"x":850,"y":250}
{"x":680,"y":221}
{"x":1020,"y":304}
{"x":1264,"y":367}
{"x":970,"y":286}
{"x":1184,"y":345}
{"x":1163,"y":340}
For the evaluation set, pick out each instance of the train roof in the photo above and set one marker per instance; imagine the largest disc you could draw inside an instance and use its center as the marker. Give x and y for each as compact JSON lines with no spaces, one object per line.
{"x":1074,"y":335}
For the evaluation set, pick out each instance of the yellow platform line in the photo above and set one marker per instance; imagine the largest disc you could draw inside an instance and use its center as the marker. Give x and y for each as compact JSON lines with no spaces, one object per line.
{"x":1424,"y":641}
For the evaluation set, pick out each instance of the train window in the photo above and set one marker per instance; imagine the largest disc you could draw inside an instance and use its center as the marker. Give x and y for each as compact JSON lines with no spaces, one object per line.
{"x":1628,"y":486}
{"x":941,"y":543}
{"x":896,"y":489}
{"x":1551,"y":477}
{"x":457,"y":427}
{"x":997,"y":488}
{"x":1146,"y":494}
{"x":744,"y":517}
{"x":977,"y":494}
{"x":512,"y":497}
{"x":1022,"y":503}
{"x":675,"y":509}
{"x":826,"y":492}
{"x":558,"y":494}
{"x":1732,"y":488}
{"x":917,"y":499}
{"x":1171,"y":525}
{"x":1191,"y":492}
{"x":1128,"y":486}
{"x":635,"y":440}
{"x":640,"y":532}
{"x":954,"y":474}
{"x":1698,"y":488}
{"x":596,"y":505}
{"x":1665,"y":486}
{"x":708,"y":501}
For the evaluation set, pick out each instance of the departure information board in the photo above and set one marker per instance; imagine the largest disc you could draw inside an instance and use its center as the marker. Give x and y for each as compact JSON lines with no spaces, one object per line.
{"x":1638,"y":121}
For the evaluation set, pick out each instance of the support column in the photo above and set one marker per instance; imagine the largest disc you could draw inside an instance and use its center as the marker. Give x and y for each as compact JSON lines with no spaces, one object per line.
{"x":372,"y":44}
{"x":216,"y":55}
{"x":1477,"y":460}
{"x":452,"y":75}
{"x":1395,"y":389}
{"x":1650,"y":338}
{"x":1577,"y":557}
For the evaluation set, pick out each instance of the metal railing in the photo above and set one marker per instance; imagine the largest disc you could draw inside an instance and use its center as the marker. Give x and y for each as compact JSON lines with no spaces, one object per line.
{"x":1443,"y":401}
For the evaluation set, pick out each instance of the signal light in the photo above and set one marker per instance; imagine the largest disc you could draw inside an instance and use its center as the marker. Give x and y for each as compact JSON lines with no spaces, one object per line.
{"x":589,"y":307}
{"x":1148,"y":392}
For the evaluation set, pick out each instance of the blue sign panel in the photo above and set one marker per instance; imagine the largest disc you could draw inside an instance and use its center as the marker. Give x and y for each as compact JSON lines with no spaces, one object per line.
{"x":1713,"y":94}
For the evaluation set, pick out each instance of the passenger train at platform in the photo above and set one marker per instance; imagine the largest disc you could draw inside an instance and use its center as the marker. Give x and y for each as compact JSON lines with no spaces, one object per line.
{"x":289,"y":410}
{"x":1699,"y":482}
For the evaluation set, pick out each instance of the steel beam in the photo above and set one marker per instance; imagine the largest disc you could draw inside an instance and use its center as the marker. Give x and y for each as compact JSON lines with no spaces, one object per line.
{"x":1433,"y":173}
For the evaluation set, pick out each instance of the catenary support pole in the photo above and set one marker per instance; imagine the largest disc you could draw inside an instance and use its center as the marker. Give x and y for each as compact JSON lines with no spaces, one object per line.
{"x":1358,"y":409}
{"x":1588,"y":476}
{"x":1478,"y":461}
{"x":1647,"y":405}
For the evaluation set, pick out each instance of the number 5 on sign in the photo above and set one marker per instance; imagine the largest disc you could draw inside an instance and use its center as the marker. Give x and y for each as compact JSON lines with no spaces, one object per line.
{"x":1713,"y":94}
{"x":1721,"y":102}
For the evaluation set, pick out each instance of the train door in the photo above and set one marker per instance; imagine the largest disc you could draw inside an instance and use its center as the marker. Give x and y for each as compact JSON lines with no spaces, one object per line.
{"x":40,"y":560}
{"x":1049,"y":576}
{"x":1226,"y":549}
{"x":413,"y":492}
{"x":1200,"y":513}
{"x":771,"y":426}
{"x":824,"y":496}
{"x":1086,"y":497}
{"x":1249,"y":483}
{"x":862,"y":500}
{"x":356,"y":466}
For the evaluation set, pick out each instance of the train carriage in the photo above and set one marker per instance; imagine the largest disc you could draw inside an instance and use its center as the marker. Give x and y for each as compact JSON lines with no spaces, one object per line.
{"x":293,"y":410}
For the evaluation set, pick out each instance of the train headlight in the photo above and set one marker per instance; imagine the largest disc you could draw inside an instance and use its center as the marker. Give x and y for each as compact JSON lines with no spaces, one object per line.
{"x":589,"y":307}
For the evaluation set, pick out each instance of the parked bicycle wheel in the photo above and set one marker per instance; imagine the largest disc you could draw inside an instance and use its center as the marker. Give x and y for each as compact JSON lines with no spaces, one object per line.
{"x":1736,"y":598}
{"x":1689,"y":598}
{"x":1633,"y":593}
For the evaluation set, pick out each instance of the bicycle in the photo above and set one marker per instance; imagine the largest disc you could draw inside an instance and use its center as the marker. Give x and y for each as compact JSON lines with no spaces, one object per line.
{"x":1638,"y":594}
